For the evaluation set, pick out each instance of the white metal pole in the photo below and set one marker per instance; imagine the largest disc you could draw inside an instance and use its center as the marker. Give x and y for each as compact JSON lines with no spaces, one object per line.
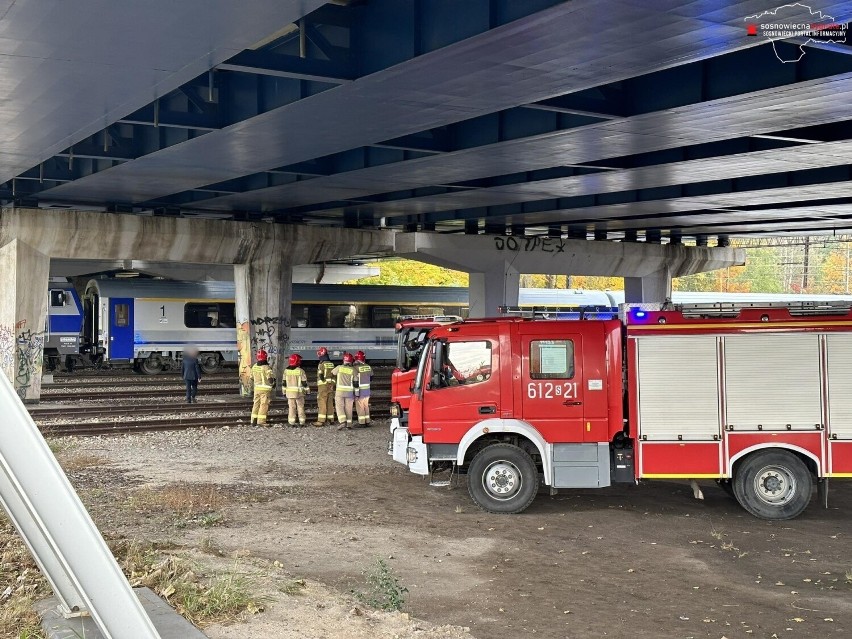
{"x":48,"y":501}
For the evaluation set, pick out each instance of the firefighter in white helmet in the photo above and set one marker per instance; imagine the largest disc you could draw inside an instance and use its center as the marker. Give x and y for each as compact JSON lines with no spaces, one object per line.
{"x":364,"y":374}
{"x":344,"y":393}
{"x":295,"y":388}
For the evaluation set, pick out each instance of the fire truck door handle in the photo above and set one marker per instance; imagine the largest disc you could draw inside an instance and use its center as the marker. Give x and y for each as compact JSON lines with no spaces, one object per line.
{"x":570,"y":403}
{"x":487,"y":410}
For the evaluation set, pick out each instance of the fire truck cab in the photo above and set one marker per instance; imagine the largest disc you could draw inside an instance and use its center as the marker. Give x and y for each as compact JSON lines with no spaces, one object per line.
{"x":755,"y":398}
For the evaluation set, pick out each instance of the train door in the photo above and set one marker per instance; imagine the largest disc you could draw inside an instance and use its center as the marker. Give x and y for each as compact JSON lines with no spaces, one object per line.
{"x":120,"y":328}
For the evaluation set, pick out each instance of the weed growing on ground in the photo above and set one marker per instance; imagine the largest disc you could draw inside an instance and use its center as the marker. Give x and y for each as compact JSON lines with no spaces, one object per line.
{"x":183,"y":499}
{"x":60,"y":445}
{"x":849,"y":576}
{"x":383,"y":588}
{"x":293,"y":588}
{"x":81,"y":462}
{"x":210,"y":547}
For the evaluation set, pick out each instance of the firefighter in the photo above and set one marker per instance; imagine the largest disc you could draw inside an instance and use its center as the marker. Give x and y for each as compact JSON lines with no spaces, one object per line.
{"x":344,"y":392}
{"x":364,"y":373}
{"x":325,"y":388}
{"x":264,"y":382}
{"x":295,"y":388}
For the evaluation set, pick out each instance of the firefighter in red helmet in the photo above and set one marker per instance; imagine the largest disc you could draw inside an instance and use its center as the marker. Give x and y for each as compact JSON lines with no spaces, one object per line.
{"x":264,"y":382}
{"x":295,"y":389}
{"x":344,"y":393}
{"x":363,"y":374}
{"x":325,"y":388}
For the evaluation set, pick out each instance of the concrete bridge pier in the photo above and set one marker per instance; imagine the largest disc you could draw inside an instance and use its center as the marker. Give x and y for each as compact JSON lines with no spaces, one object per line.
{"x":264,"y":290}
{"x":23,"y":310}
{"x":495,"y":263}
{"x":263,"y":256}
{"x":655,"y":287}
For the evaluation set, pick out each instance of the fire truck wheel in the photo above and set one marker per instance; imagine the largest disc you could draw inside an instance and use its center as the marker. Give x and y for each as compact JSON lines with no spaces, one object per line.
{"x":773,"y":484}
{"x":502,"y":478}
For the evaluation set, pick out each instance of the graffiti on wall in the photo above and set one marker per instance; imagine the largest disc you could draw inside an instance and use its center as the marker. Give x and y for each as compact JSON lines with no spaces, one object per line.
{"x":22,"y":358}
{"x":270,"y":333}
{"x":244,"y":349}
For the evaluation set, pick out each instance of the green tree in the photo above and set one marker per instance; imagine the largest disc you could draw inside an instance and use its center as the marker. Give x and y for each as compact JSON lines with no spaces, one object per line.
{"x":413,"y":273}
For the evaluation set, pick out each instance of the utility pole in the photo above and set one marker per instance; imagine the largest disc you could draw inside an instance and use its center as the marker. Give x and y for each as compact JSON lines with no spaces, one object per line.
{"x":805,"y":262}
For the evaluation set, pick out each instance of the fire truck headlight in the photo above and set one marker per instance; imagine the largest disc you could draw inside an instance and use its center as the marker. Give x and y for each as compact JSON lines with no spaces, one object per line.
{"x":412,"y":455}
{"x":394,"y":410}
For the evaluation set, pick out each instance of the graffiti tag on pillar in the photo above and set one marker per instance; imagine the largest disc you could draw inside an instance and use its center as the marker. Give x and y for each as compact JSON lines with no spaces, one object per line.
{"x":529,"y":244}
{"x":7,"y":348}
{"x":269,"y":332}
{"x":30,"y":356}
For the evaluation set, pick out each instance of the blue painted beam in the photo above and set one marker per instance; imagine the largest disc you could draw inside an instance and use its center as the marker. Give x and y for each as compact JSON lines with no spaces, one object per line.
{"x":285,"y":66}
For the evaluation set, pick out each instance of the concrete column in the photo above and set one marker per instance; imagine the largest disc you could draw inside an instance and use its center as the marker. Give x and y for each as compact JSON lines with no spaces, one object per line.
{"x":23,"y":308}
{"x":263,"y":295}
{"x":494,"y":288}
{"x":656,"y":288}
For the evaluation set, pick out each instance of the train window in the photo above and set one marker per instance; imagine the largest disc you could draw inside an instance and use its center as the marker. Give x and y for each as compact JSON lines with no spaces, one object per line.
{"x":385,"y":316}
{"x":57,"y":298}
{"x":209,"y":315}
{"x":301,"y":316}
{"x":552,"y":359}
{"x":122,"y":315}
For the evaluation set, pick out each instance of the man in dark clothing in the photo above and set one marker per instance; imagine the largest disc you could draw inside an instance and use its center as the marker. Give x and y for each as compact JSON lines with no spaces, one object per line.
{"x":191,"y":373}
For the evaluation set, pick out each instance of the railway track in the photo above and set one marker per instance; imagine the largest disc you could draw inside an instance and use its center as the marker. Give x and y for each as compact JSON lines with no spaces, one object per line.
{"x":117,"y":427}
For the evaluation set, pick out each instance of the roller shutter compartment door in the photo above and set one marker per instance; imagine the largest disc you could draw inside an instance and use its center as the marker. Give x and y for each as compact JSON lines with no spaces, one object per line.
{"x":772,"y":381}
{"x":839,"y":353}
{"x":678,"y":388}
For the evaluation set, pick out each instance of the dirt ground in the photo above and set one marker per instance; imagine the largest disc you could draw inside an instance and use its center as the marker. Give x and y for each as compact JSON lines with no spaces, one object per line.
{"x":648,"y":561}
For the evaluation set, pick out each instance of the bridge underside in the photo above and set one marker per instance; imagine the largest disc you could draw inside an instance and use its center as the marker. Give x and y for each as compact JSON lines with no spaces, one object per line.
{"x":599,"y":119}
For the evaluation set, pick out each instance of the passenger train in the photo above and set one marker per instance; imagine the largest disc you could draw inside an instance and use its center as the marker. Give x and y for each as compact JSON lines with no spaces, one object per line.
{"x":149,"y":322}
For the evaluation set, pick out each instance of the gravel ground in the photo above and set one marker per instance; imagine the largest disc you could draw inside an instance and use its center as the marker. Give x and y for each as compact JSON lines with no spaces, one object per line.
{"x":628,"y":562}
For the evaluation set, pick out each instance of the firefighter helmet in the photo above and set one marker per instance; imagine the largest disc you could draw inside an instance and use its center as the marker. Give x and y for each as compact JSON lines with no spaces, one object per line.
{"x":322,"y":351}
{"x":261,"y":355}
{"x":294,"y":360}
{"x":347,"y":358}
{"x":360,"y":356}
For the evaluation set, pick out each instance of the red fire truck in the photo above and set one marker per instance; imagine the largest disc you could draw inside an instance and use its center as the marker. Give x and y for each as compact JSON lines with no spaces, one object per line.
{"x":411,"y":335}
{"x":757,"y":399}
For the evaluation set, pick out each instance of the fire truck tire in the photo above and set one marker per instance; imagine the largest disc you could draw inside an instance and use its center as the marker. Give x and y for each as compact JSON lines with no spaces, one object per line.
{"x":773,"y":484}
{"x":502,"y":478}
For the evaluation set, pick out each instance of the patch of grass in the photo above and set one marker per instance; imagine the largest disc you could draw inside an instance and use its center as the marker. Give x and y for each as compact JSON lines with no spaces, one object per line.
{"x":21,"y":585}
{"x":383,"y":588}
{"x":81,"y":462}
{"x":208,"y":520}
{"x":60,"y":444}
{"x":849,"y":576}
{"x":183,"y":499}
{"x":293,"y":588}
{"x":222,"y":598}
{"x":210,"y":547}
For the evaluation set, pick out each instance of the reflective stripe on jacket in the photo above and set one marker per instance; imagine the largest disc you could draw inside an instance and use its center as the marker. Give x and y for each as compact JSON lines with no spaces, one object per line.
{"x":295,"y":382}
{"x":262,"y":377}
{"x":324,"y":375}
{"x":365,"y":375}
{"x":345,"y":385}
